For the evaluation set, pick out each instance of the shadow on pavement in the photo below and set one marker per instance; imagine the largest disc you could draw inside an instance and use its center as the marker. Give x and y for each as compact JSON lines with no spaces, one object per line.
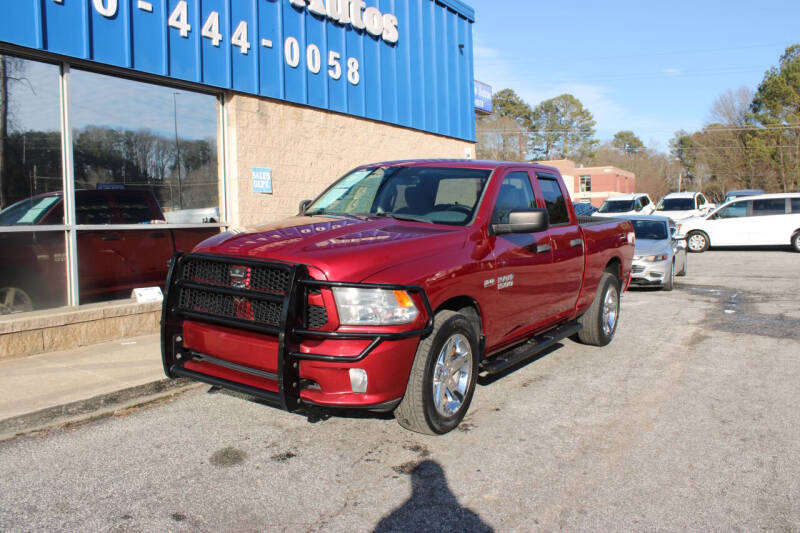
{"x":432,"y":507}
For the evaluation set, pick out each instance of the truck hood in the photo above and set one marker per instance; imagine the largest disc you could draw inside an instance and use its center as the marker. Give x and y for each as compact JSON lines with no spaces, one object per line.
{"x":343,"y":249}
{"x":677,"y":215}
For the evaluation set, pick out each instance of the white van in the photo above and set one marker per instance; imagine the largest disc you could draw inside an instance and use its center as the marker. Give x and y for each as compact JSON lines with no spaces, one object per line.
{"x":767,"y":219}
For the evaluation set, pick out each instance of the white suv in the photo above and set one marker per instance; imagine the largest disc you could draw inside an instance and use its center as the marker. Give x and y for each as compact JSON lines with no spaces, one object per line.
{"x":765,"y":220}
{"x":678,"y":205}
{"x":626,"y":204}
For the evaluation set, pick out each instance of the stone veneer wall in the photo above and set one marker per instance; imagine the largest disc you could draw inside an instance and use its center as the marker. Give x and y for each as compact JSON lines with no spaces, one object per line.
{"x":62,"y":329}
{"x":307,"y":149}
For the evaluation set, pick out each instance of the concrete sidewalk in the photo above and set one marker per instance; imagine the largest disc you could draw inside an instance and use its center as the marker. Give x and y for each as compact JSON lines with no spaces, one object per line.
{"x":42,"y":389}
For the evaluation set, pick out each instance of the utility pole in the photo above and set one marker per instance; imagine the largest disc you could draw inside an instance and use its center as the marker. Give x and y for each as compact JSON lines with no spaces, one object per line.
{"x":177,"y":147}
{"x":680,"y":175}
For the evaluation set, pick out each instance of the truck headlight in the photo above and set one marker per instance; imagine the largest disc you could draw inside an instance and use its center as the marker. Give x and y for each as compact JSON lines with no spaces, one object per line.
{"x":374,"y":307}
{"x":650,"y":258}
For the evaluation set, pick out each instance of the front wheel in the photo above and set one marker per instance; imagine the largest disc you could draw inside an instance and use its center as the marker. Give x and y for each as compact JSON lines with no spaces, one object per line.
{"x":669,"y":282}
{"x":599,"y":323}
{"x":697,"y":242}
{"x":796,"y":242}
{"x":14,"y":300}
{"x":442,"y":379}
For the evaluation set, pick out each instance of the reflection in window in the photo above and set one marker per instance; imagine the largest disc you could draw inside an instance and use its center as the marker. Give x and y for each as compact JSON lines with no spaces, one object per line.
{"x":30,"y":151}
{"x":516,"y":194}
{"x":129,"y":135}
{"x":32,"y":263}
{"x":553,"y":197}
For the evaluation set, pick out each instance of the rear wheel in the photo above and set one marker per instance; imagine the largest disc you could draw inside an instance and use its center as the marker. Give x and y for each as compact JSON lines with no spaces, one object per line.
{"x":796,"y":242}
{"x":599,"y":323}
{"x":442,"y":379}
{"x":697,"y":242}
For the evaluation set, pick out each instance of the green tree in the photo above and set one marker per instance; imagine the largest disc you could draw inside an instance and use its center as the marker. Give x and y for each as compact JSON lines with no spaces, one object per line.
{"x":507,"y":103}
{"x":627,"y":142}
{"x":563,"y":128}
{"x":776,"y":108}
{"x":505,"y":133}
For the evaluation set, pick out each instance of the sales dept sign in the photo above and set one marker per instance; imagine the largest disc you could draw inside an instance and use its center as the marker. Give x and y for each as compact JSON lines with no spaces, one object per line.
{"x":262,"y":180}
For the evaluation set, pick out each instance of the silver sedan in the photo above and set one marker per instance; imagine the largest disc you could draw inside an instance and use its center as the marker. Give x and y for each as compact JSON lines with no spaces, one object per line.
{"x":659,"y":256}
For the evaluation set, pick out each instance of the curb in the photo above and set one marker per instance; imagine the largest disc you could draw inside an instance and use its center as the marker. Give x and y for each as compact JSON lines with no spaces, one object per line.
{"x":96,"y":408}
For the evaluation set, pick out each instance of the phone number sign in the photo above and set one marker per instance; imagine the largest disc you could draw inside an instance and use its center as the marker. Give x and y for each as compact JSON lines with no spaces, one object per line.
{"x":408,"y":63}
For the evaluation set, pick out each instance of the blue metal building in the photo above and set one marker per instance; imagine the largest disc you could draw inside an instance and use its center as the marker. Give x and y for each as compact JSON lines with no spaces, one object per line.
{"x":405,"y":62}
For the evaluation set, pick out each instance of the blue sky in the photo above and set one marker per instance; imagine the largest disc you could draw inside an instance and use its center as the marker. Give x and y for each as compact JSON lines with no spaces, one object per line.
{"x":650,"y":67}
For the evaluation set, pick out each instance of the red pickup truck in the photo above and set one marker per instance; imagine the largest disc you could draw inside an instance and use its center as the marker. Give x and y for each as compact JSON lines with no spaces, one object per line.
{"x":395,"y":288}
{"x":111,"y":261}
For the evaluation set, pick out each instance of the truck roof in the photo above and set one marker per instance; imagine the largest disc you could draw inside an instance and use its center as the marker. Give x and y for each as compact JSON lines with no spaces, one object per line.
{"x":681,"y":195}
{"x":632,"y":196}
{"x":459,"y":163}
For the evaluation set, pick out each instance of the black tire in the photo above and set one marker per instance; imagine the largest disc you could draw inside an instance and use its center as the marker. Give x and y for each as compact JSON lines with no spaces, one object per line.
{"x":796,"y":242}
{"x":697,"y":242}
{"x":593,"y":331}
{"x":418,"y":411}
{"x":669,"y":282}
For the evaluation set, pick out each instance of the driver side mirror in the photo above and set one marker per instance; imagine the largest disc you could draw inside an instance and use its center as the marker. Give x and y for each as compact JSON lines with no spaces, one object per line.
{"x":524,"y":221}
{"x":304,"y":205}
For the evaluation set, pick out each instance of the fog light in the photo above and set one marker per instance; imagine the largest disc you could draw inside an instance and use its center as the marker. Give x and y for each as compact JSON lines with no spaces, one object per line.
{"x":358,"y":380}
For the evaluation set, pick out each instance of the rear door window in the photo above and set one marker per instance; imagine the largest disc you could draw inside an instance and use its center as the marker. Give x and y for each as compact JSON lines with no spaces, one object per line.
{"x":795,"y":205}
{"x":92,"y":208}
{"x":134,"y":208}
{"x":554,"y":199}
{"x":771,"y":206}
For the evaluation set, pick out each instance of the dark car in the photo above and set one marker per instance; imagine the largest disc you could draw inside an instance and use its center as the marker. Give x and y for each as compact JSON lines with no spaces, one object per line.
{"x":584,"y":209}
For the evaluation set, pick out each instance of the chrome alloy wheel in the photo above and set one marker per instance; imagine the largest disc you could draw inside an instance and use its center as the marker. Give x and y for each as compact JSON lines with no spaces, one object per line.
{"x":697,"y":242}
{"x":610,"y":310}
{"x":452,"y":375}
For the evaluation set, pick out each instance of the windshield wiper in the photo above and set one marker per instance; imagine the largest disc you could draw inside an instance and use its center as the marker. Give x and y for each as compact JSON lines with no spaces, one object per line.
{"x":396,"y":216}
{"x":323,"y":213}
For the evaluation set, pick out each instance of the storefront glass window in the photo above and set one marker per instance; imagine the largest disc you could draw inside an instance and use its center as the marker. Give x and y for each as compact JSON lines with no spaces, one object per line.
{"x":144,"y":155}
{"x":33,"y":258}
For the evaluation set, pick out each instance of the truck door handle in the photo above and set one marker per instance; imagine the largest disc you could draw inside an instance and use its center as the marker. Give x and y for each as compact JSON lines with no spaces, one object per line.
{"x":576,"y":242}
{"x":112,"y":237}
{"x":543,"y":248}
{"x":157,"y":235}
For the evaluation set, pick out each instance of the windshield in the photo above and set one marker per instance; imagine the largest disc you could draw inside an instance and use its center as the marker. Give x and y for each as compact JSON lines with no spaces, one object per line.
{"x":27,"y":212}
{"x":676,"y":204}
{"x":650,"y":229}
{"x":616,"y":206}
{"x":427,"y":194}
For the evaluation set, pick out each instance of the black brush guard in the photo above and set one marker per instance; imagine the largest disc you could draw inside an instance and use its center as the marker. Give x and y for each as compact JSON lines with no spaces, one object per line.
{"x":290,"y":328}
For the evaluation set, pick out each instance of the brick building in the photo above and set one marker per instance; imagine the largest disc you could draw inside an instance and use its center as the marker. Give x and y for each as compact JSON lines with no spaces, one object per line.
{"x":594,"y":184}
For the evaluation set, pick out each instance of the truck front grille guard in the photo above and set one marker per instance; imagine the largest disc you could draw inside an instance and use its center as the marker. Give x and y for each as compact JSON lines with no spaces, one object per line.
{"x":276,"y":305}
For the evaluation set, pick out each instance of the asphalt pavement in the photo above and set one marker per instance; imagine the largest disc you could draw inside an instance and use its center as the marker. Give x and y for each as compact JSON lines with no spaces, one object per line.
{"x":688,"y":420}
